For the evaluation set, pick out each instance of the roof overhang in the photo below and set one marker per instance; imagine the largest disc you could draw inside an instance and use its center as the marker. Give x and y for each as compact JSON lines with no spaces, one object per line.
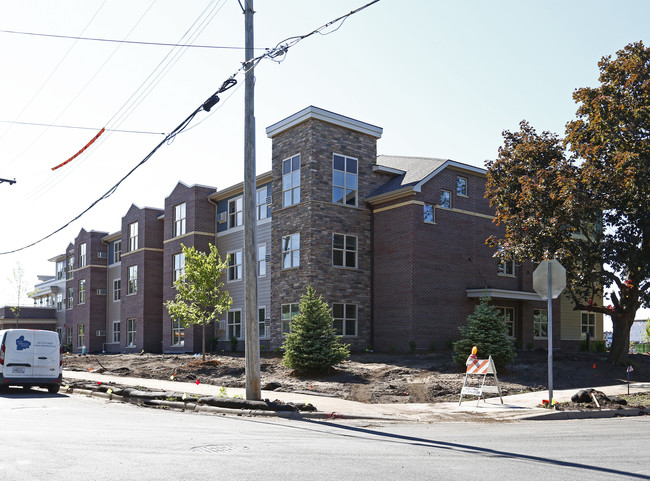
{"x":239,"y":188}
{"x":504,"y":294}
{"x":325,"y":116}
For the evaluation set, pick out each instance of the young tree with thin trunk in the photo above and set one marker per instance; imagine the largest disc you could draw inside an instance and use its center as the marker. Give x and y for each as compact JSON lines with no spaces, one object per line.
{"x":200,"y":297}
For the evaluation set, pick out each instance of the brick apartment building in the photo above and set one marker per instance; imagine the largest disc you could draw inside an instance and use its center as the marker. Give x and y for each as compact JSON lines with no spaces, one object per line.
{"x":395,"y":245}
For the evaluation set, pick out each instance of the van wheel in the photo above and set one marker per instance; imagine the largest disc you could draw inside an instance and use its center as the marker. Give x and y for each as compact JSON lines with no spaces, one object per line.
{"x":53,"y":388}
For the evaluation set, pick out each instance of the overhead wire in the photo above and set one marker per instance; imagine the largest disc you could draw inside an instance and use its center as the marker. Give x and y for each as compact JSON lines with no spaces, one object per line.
{"x":206,"y":106}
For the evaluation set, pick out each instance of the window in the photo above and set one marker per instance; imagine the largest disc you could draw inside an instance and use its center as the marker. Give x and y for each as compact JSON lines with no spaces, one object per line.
{"x":82,"y":291}
{"x":461,"y":186}
{"x":235,"y":212}
{"x":133,"y":280}
{"x":508,"y":314}
{"x":234,"y":266}
{"x":588,"y":324}
{"x":133,"y":236}
{"x":429,"y":214}
{"x":70,"y":273}
{"x":344,"y":180}
{"x":178,"y":334}
{"x":540,"y":323}
{"x":234,"y":324}
{"x":506,"y":268}
{"x":345,"y":319}
{"x":261,"y":260}
{"x":117,"y":290}
{"x":70,"y":297}
{"x":344,"y":250}
{"x":116,"y":332}
{"x":81,"y":335}
{"x":60,"y":269}
{"x":131,"y":325}
{"x":260,"y":201}
{"x":82,"y":255}
{"x":117,"y":251}
{"x":68,"y":335}
{"x":59,"y":301}
{"x":289,"y":311}
{"x":291,"y":181}
{"x":179,"y":219}
{"x":291,"y":251}
{"x":261,"y":316}
{"x":179,"y":266}
{"x":445,"y":199}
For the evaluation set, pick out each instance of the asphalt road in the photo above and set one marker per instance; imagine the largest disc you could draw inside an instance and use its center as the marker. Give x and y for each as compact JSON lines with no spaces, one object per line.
{"x":47,"y":437}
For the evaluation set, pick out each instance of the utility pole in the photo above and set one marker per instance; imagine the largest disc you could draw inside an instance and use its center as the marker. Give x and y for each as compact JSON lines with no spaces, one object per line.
{"x":253,"y":391}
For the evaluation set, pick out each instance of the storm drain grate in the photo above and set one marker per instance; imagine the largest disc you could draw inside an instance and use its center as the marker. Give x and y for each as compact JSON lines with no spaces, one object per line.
{"x":215,"y":448}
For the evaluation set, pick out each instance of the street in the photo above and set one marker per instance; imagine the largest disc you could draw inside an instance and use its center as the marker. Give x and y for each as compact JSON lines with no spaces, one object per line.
{"x":76,"y":437}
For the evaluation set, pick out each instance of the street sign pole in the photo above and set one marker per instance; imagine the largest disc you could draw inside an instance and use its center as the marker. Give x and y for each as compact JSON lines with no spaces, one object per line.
{"x":549,"y":308}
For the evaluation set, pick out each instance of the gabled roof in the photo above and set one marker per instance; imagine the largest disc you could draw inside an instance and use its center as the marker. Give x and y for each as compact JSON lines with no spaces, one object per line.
{"x":410,"y":173}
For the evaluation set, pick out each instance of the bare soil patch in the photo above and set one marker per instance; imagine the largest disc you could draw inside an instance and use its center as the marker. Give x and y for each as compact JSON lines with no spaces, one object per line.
{"x":371,"y":377}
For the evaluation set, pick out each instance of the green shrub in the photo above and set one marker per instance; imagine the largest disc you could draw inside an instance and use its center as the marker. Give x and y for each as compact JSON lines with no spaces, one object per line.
{"x":412,"y":346}
{"x":312,"y":346}
{"x":486,"y":330}
{"x":233,"y":343}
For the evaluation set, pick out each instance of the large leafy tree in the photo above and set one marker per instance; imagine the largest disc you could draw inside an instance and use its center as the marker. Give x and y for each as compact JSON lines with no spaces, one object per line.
{"x":585,"y":199}
{"x":200,"y":297}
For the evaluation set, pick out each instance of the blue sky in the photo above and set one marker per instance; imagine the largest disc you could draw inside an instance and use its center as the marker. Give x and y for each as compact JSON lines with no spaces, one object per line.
{"x":443,"y":79}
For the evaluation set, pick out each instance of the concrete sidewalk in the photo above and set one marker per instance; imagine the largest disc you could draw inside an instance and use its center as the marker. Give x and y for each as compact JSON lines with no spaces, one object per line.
{"x":519,"y":406}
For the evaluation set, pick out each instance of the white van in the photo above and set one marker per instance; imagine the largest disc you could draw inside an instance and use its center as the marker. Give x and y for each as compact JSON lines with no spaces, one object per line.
{"x":30,"y":357}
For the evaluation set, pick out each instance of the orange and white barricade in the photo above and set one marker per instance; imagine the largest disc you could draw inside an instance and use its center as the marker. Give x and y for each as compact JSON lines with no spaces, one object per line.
{"x":480,"y":367}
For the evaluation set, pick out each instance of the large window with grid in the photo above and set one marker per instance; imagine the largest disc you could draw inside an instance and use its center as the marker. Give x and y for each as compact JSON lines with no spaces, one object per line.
{"x":588,"y":324}
{"x":345,"y":182}
{"x":178,"y":334}
{"x":178,"y":261}
{"x":116,"y":332}
{"x":82,"y":291}
{"x":60,"y":270}
{"x":133,"y":236}
{"x":445,"y":199}
{"x":261,"y":260}
{"x":289,"y":311}
{"x":117,"y":251}
{"x":508,"y":315}
{"x":133,"y":281}
{"x":261,"y":317}
{"x":291,"y":251}
{"x":345,"y":319}
{"x":540,"y":323}
{"x":131,"y":332}
{"x":70,"y":304}
{"x":261,"y":204}
{"x":179,"y":219}
{"x":81,"y":335}
{"x":235,"y":212}
{"x":233,"y":327}
{"x":291,"y":181}
{"x":235,"y":267}
{"x":344,"y":250}
{"x":117,"y":290}
{"x":82,"y":255}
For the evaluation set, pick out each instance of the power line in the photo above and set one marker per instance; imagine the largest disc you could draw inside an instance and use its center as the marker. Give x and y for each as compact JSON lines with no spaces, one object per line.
{"x":78,"y":127}
{"x":282,"y":47}
{"x":128,"y":42}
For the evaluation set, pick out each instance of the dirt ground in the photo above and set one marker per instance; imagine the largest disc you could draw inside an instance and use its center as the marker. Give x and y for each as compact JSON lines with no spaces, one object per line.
{"x":372,"y":377}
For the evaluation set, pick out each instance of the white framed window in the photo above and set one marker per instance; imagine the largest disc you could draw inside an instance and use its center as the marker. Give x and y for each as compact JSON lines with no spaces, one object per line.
{"x":117,"y":290}
{"x":116,"y":332}
{"x":506,"y":268}
{"x":345,"y":182}
{"x":82,"y":255}
{"x":261,"y":260}
{"x":178,"y":261}
{"x":540,"y":323}
{"x":117,"y":251}
{"x":288,"y":312}
{"x":59,"y":301}
{"x":179,"y":219}
{"x":60,"y":270}
{"x":235,"y":212}
{"x":461,"y":186}
{"x":131,"y":332}
{"x":508,"y":314}
{"x":81,"y":335}
{"x":68,"y":335}
{"x":132,"y":287}
{"x":233,"y":324}
{"x":133,"y":236}
{"x":345,"y":319}
{"x":235,"y":266}
{"x":429,"y":214}
{"x":445,"y":199}
{"x":178,"y":334}
{"x":260,"y":203}
{"x":344,"y":250}
{"x":291,"y":181}
{"x":70,"y":271}
{"x":587,"y":324}
{"x":82,"y":291}
{"x":291,"y":251}
{"x":261,"y":317}
{"x":70,"y":298}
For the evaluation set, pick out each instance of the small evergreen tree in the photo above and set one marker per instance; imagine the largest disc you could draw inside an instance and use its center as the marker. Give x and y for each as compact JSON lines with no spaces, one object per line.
{"x":312,"y":345}
{"x":486,"y":330}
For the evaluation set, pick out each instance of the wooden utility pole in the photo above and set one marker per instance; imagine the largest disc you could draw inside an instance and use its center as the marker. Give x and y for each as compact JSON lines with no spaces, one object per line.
{"x":253,"y":391}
